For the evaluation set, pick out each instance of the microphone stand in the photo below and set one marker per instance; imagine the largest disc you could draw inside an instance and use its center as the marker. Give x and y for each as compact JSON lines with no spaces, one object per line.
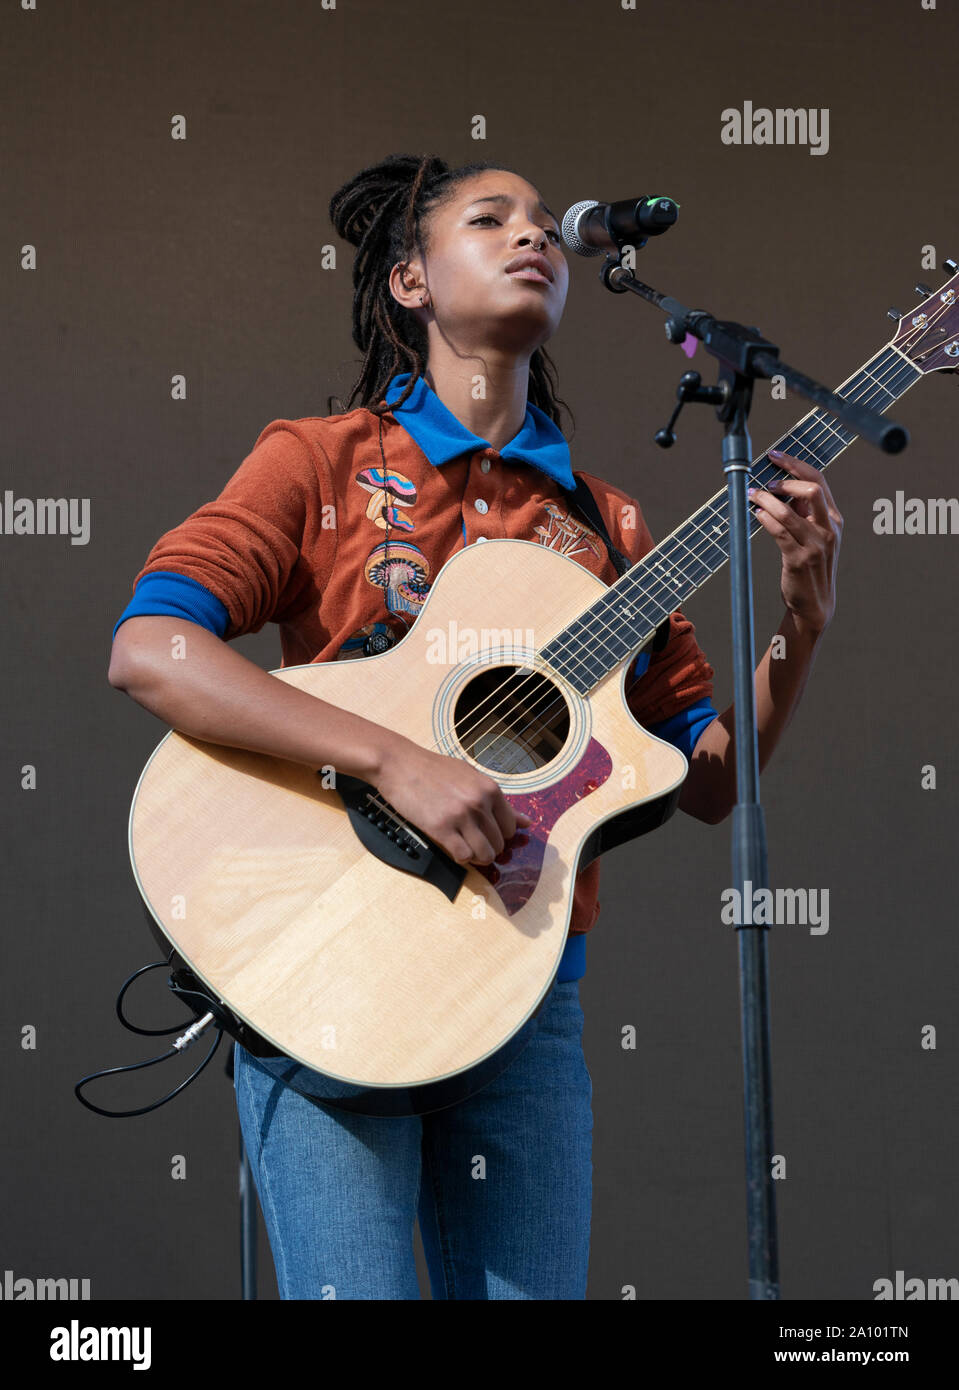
{"x":743,"y":356}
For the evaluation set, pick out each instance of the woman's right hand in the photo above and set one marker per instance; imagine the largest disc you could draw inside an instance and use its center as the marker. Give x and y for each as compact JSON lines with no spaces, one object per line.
{"x":459,"y":807}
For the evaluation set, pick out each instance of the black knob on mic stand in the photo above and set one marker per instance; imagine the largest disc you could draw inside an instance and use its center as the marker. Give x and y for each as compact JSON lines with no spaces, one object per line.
{"x":690,"y":388}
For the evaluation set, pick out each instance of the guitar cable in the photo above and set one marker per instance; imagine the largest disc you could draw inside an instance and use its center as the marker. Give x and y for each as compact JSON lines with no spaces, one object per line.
{"x":186,"y":1039}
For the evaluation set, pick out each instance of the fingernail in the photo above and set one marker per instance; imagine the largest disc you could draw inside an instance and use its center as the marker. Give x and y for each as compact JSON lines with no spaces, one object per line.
{"x":776,"y":454}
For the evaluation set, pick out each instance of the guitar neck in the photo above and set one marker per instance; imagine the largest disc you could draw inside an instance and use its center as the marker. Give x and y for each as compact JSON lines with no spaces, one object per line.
{"x":613,"y":628}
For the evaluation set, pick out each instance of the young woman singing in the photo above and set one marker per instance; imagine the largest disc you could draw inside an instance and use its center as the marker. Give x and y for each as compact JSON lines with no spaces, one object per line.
{"x":334,"y":528}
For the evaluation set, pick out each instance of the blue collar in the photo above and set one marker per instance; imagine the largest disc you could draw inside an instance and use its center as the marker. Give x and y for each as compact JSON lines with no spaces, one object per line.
{"x":442,"y":437}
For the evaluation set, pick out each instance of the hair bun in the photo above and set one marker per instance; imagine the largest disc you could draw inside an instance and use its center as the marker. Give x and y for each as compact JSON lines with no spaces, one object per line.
{"x":354,"y":206}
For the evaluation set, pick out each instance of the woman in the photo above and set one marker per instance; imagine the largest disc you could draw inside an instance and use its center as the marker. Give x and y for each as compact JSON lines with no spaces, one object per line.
{"x":333,"y":528}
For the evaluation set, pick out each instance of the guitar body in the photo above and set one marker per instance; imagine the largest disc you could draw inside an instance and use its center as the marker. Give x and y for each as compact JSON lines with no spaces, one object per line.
{"x":383,"y":977}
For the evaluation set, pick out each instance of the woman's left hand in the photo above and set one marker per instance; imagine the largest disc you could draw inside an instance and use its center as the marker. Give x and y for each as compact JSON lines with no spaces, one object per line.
{"x":808,"y":533}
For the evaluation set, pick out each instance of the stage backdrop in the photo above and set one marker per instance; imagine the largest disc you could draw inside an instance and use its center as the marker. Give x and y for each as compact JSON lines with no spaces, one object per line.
{"x":167,"y":173}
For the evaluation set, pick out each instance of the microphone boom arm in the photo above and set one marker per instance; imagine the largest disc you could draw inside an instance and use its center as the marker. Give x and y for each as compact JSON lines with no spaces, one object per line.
{"x":749,"y":355}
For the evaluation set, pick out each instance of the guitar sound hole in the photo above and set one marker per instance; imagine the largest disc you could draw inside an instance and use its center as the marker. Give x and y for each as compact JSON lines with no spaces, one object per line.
{"x":510,"y":719}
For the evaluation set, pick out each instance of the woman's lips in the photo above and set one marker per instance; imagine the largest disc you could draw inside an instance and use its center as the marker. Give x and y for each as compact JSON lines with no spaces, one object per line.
{"x":528,"y":273}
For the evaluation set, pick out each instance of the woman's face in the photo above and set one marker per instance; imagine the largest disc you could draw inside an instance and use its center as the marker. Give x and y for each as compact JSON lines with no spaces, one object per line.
{"x":474,"y":301}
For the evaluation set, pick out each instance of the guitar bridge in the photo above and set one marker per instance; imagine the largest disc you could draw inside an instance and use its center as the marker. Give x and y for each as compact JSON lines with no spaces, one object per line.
{"x":382,"y":831}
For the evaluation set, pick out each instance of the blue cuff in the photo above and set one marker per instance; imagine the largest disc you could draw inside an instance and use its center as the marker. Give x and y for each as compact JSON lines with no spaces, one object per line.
{"x":572,"y":964}
{"x":684,"y":728}
{"x":638,"y":668}
{"x":176,"y":595}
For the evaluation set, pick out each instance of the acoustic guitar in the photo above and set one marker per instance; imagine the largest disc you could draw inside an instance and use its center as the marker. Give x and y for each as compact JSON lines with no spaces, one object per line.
{"x":326,"y":929}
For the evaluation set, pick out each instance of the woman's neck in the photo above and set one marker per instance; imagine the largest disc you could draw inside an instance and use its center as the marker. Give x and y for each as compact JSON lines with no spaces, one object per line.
{"x":498,"y":415}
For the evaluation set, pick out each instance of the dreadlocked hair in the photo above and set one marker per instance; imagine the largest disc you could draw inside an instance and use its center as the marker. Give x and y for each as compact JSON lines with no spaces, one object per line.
{"x":384,"y":211}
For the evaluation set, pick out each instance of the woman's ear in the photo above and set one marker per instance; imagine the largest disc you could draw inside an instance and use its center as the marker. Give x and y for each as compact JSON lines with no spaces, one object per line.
{"x":406,"y":284}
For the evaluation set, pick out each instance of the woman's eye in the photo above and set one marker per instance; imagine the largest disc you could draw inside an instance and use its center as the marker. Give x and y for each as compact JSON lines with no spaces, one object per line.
{"x":488,"y":217}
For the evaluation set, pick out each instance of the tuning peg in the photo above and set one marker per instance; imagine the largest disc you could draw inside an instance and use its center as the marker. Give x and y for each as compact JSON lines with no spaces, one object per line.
{"x":950,"y":265}
{"x":894,"y":314}
{"x":923,"y":290}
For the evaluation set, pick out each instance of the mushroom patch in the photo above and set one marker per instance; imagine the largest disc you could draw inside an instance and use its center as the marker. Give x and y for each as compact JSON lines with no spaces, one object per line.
{"x":565,"y":534}
{"x":398,"y":567}
{"x":401,"y":568}
{"x":389,"y":492}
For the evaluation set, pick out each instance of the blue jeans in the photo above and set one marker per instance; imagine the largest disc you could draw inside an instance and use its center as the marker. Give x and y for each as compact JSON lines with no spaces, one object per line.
{"x":501,"y":1182}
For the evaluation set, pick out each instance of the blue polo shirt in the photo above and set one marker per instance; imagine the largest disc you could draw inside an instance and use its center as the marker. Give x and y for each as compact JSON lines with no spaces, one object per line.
{"x":442,"y":437}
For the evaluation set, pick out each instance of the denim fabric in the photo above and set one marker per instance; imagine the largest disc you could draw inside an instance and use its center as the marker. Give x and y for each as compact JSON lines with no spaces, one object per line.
{"x":340,"y":1192}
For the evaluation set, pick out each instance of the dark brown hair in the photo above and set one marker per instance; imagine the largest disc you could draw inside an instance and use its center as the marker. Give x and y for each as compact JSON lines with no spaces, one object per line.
{"x":384,"y":211}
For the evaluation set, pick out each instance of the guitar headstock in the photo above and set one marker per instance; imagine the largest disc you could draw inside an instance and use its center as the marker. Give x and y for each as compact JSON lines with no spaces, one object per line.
{"x":929,"y":334}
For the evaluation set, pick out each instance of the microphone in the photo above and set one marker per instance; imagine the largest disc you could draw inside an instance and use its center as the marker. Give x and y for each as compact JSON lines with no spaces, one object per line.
{"x":590,"y":228}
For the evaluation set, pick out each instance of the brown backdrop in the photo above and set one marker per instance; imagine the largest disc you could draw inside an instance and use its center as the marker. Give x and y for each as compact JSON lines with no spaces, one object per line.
{"x":157,"y":256}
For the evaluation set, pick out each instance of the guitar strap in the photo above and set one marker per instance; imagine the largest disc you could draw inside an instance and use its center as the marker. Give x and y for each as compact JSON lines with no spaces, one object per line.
{"x":582,"y":498}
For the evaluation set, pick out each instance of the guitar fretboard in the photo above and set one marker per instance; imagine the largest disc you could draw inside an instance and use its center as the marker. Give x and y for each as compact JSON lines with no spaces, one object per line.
{"x":626,"y":616}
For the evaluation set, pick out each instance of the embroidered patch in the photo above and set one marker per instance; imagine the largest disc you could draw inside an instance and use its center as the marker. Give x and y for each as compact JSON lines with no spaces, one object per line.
{"x":389,"y":491}
{"x":404,"y":574}
{"x":565,"y":534}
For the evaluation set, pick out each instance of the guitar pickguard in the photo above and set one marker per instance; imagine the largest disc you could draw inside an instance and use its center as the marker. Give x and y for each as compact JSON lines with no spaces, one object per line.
{"x":515,"y":871}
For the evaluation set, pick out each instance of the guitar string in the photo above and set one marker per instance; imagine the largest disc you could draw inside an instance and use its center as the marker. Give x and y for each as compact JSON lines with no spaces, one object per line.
{"x":717,"y":505}
{"x":582,"y":649}
{"x":821,"y":429}
{"x":387,"y":816}
{"x":711,"y":538}
{"x":802,"y":441}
